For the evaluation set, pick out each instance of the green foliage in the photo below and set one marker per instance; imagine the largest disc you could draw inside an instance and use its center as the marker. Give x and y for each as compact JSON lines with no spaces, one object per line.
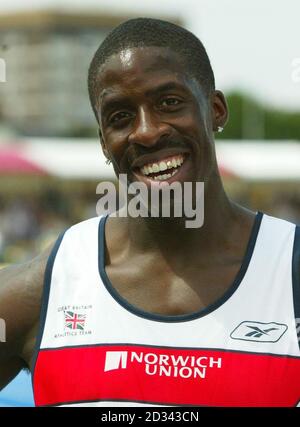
{"x":249,"y":119}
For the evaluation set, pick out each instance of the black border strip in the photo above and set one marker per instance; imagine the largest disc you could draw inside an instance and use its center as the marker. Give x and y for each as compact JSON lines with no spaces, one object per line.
{"x":185,"y":317}
{"x":296,"y":280}
{"x":155,"y":404}
{"x":44,"y":303}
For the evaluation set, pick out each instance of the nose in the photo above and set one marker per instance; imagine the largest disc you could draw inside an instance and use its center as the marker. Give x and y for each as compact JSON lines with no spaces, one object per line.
{"x":148,"y":129}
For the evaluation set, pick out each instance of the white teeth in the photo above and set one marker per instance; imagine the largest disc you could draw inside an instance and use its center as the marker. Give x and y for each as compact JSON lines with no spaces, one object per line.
{"x":164,"y":177}
{"x":174,"y":163}
{"x":145,"y":170}
{"x":155,"y":167}
{"x":162,"y":166}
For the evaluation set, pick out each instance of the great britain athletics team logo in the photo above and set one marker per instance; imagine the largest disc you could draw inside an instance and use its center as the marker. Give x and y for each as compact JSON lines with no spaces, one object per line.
{"x":74,"y":320}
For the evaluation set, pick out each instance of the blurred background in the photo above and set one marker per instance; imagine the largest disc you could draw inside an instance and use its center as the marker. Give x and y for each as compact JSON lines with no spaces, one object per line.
{"x":50,"y":157}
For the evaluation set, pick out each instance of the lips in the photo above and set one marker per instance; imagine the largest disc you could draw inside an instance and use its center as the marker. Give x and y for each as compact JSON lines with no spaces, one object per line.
{"x":161,"y":165}
{"x":163,"y":169}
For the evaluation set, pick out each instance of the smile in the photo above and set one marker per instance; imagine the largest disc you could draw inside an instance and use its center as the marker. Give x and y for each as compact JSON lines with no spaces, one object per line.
{"x":164,"y":169}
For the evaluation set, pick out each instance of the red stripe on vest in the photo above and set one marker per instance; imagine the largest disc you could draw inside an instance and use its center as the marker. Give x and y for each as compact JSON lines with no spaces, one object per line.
{"x":165,"y":376}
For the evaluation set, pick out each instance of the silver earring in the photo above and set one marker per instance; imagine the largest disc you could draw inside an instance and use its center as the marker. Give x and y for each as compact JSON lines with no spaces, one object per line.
{"x":220,"y":129}
{"x":108,"y":161}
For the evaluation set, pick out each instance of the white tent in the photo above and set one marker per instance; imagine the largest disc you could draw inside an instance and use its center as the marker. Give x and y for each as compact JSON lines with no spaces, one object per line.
{"x":83,"y":158}
{"x":260,"y":160}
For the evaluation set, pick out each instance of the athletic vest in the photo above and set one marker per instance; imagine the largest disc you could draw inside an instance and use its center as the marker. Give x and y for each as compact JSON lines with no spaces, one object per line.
{"x":96,"y":349}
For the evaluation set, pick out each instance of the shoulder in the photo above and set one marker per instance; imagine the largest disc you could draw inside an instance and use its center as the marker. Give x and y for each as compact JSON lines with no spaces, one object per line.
{"x":275,"y":235}
{"x":279,"y":233}
{"x":278,"y":223}
{"x":79,"y":237}
{"x":21,"y":288}
{"x":90,"y":225}
{"x":21,"y":284}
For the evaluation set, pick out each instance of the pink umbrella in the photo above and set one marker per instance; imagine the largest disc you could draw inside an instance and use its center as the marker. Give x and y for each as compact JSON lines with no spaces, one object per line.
{"x":12,"y":161}
{"x":225,"y":172}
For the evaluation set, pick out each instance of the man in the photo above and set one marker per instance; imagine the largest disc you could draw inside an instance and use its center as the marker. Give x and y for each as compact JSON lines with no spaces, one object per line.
{"x":144,"y":311}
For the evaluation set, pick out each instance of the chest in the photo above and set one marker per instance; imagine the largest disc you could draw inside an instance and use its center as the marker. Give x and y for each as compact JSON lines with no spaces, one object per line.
{"x":170,"y":289}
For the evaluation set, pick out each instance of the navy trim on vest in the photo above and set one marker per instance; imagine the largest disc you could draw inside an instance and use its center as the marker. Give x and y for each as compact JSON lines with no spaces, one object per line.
{"x":185,"y":317}
{"x":44,"y":303}
{"x":296,"y":280}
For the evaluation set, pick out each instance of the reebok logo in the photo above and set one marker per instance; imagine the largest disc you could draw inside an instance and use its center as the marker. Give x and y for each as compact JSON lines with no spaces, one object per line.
{"x":169,"y":365}
{"x":258,"y":331}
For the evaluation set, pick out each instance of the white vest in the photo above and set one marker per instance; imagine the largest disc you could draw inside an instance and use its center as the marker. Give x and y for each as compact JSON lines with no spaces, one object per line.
{"x":96,"y":349}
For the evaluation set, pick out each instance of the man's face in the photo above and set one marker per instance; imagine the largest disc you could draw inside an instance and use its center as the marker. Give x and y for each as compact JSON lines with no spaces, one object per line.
{"x":154,"y":117}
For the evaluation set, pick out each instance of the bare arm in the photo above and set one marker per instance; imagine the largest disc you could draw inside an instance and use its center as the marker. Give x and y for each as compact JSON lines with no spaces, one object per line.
{"x":21,"y":289}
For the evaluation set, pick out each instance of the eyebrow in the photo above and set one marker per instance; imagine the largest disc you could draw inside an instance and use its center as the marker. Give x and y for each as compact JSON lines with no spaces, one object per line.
{"x":164,"y":87}
{"x":116,"y":100}
{"x":112,"y":104}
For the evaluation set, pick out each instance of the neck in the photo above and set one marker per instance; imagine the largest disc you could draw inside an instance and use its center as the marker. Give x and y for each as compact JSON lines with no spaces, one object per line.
{"x":170,"y":235}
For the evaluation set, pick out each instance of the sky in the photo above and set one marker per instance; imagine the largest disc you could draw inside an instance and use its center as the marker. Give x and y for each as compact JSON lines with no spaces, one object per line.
{"x":18,"y":392}
{"x":254,"y":45}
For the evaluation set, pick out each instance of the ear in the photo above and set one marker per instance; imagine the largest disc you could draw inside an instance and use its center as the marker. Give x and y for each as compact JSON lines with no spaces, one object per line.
{"x":220,"y":110}
{"x":104,"y":149}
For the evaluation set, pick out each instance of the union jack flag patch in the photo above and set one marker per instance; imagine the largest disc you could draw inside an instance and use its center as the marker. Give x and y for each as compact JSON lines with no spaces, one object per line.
{"x":74,"y":320}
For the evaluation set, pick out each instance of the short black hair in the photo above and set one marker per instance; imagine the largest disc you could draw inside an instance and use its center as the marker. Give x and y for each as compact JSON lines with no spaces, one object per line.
{"x":147,"y":32}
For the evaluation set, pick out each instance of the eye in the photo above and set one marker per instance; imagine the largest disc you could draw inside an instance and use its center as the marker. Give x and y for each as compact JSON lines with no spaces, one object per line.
{"x":170,"y":102}
{"x":117,"y":117}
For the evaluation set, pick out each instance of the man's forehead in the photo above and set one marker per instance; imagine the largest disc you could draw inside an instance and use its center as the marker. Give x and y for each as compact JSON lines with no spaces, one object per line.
{"x":134,"y":63}
{"x":128,"y":54}
{"x":126,"y":58}
{"x":140,"y":60}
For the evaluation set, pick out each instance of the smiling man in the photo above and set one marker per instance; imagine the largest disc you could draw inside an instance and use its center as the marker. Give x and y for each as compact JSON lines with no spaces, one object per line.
{"x":145,"y":311}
